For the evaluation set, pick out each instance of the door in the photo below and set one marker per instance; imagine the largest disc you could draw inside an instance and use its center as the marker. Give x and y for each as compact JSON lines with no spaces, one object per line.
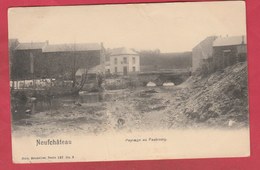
{"x":125,"y":70}
{"x":227,"y":58}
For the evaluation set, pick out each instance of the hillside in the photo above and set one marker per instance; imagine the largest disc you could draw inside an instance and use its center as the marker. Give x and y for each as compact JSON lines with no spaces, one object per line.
{"x":220,"y":99}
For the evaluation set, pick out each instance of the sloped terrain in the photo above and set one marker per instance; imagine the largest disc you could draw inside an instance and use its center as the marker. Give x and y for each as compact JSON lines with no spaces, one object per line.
{"x":221,"y":99}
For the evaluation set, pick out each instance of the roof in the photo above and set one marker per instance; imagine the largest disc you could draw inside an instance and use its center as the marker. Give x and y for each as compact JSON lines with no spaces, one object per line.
{"x":81,"y":71}
{"x":120,"y":51}
{"x":93,"y":70}
{"x":96,"y":69}
{"x":204,"y":49}
{"x":72,"y":47}
{"x":207,"y":41}
{"x":228,"y":41}
{"x":31,"y":46}
{"x":13,"y":40}
{"x":13,"y":43}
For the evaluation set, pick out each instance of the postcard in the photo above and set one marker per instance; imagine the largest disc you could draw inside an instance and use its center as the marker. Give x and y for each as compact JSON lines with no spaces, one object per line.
{"x":141,"y":81}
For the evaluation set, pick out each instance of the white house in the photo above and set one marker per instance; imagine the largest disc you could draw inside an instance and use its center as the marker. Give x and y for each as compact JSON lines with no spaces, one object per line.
{"x":122,"y":61}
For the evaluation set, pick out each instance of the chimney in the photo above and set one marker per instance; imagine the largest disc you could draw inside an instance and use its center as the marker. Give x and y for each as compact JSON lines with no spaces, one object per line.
{"x":243,"y":39}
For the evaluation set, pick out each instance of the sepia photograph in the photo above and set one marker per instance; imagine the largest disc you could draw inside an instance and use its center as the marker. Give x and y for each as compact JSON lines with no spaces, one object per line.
{"x":128,"y":82}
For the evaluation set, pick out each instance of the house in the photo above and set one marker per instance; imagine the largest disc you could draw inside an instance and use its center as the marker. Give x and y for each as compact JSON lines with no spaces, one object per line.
{"x":92,"y":72}
{"x":202,"y":53}
{"x":122,"y":61}
{"x":229,"y":50}
{"x":215,"y":53}
{"x":93,"y":77}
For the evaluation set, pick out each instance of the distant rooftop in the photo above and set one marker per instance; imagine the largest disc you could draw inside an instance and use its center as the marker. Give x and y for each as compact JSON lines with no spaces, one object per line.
{"x":72,"y":47}
{"x":13,"y":40}
{"x":45,"y":47}
{"x":93,"y":70}
{"x":120,"y":51}
{"x":13,"y":43}
{"x":227,"y":41}
{"x":31,"y":46}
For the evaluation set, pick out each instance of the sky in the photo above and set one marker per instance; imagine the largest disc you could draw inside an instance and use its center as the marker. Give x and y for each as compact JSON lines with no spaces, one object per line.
{"x":170,"y":27}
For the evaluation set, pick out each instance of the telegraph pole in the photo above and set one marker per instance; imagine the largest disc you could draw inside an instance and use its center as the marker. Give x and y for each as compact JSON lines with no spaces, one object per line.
{"x":32,"y":69}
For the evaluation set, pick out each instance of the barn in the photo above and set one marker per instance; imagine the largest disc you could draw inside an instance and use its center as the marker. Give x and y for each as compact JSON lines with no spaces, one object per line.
{"x":65,"y":59}
{"x":202,"y":54}
{"x":214,"y":53}
{"x":27,"y":61}
{"x":229,"y":50}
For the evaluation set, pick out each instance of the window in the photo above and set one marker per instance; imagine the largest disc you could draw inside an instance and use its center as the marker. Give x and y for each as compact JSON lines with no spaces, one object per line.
{"x":134,"y":69}
{"x":115,"y":60}
{"x":107,"y":58}
{"x":125,"y":60}
{"x":115,"y":69}
{"x":133,"y":60}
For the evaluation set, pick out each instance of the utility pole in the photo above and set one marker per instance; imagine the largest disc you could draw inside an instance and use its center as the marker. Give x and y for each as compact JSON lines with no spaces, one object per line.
{"x":32,"y":69}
